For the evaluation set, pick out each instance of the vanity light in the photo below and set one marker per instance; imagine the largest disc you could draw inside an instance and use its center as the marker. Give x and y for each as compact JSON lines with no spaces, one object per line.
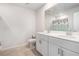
{"x":63,"y":17}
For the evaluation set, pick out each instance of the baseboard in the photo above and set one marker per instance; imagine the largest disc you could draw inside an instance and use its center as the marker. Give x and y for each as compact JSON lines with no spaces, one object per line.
{"x":19,"y":45}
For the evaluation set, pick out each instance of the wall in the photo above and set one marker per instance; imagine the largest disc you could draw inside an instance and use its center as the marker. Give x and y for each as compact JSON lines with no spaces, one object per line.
{"x":17,"y":25}
{"x":40,"y":20}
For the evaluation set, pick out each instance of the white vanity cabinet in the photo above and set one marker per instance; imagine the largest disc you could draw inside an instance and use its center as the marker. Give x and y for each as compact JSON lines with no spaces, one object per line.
{"x":63,"y":47}
{"x":49,"y":45}
{"x":42,"y":44}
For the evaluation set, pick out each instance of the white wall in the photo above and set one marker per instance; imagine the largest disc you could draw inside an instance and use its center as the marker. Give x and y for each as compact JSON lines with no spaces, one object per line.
{"x":40,"y":21}
{"x":19,"y":24}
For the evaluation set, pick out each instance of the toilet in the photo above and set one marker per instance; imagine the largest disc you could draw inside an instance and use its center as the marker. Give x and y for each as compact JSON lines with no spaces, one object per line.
{"x":32,"y":43}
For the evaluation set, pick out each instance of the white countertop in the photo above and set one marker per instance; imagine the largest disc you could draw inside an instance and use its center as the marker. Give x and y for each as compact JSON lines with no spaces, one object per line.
{"x":74,"y":37}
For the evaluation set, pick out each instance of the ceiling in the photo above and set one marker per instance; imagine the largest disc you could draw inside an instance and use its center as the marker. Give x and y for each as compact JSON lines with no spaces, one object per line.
{"x":33,"y":6}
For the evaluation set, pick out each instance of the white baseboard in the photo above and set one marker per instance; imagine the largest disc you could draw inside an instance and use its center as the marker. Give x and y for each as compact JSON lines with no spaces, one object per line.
{"x":19,"y":45}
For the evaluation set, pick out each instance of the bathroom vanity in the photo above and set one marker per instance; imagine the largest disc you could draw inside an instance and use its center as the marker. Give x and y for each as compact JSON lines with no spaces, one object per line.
{"x":53,"y":44}
{"x":63,"y":20}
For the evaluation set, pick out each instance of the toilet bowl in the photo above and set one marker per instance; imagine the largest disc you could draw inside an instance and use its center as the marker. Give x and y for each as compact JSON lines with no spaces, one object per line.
{"x":31,"y":43}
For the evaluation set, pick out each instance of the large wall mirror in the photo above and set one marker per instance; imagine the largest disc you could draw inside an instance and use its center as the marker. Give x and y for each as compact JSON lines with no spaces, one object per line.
{"x":63,"y":17}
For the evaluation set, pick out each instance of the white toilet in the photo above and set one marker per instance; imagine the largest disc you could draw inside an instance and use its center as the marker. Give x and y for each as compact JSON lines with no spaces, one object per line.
{"x":32,"y":43}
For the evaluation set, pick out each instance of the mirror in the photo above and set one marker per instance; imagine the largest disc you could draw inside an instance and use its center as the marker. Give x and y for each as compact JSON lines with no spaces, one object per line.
{"x":63,"y":17}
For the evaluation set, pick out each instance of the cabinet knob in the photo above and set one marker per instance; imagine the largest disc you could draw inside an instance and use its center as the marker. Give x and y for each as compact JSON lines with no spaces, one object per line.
{"x":60,"y":52}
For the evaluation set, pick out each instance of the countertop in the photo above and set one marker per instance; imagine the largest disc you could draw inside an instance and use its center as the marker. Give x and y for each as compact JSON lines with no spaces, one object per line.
{"x":74,"y":37}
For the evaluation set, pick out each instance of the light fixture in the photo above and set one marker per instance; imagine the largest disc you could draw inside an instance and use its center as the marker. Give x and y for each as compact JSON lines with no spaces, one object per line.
{"x":62,"y":16}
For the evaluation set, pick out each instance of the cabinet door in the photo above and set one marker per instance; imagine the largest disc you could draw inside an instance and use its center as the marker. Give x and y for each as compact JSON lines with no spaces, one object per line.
{"x":53,"y":50}
{"x":66,"y":52}
{"x":38,"y":43}
{"x":44,"y":48}
{"x":42,"y":44}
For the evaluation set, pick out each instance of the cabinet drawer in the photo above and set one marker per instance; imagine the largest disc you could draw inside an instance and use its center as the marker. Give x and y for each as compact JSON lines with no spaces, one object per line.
{"x":73,"y":46}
